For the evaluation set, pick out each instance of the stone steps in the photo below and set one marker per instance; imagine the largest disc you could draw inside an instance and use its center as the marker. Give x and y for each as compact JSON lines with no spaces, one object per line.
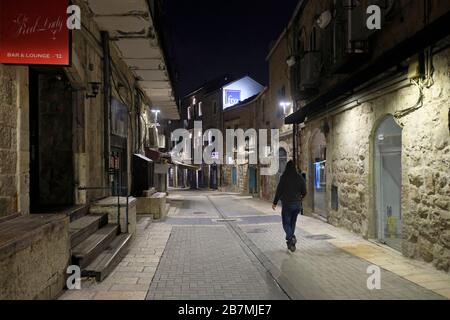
{"x":105,"y":263}
{"x":77,"y":212}
{"x":95,"y":234}
{"x":85,"y":226}
{"x":88,"y":250}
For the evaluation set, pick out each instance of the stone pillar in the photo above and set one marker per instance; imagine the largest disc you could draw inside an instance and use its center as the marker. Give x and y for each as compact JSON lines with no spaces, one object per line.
{"x":14,"y":140}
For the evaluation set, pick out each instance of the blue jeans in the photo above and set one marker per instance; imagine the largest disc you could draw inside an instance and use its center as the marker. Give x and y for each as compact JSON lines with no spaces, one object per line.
{"x":289,"y":214}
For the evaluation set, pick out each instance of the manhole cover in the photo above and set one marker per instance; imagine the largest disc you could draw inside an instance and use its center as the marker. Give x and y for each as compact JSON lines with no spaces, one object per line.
{"x":257,"y":231}
{"x":320,"y":237}
{"x":199,"y":212}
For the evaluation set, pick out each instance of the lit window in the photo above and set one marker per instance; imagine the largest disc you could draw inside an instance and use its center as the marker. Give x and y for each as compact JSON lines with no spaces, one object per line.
{"x":189,"y":113}
{"x":200,"y":112}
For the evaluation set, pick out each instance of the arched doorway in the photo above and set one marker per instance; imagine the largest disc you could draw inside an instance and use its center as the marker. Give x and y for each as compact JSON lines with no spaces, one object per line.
{"x":388,"y":182}
{"x":318,"y":177}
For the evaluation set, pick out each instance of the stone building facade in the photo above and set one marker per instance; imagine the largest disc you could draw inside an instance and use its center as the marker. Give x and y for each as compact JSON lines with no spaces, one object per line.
{"x":377,"y":159}
{"x":275,"y":105}
{"x":203,"y":104}
{"x":14,"y":150}
{"x":208,"y":105}
{"x":241,"y":178}
{"x":55,"y":137}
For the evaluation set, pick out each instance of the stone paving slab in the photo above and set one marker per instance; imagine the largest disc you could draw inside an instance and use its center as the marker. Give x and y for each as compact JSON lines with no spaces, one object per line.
{"x":191,"y":256}
{"x":319,"y":270}
{"x":418,"y":272}
{"x":209,"y":263}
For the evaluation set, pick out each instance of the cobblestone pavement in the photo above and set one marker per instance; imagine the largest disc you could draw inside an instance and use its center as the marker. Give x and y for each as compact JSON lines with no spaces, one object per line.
{"x":235,"y":250}
{"x":225,"y":246}
{"x":209,"y":263}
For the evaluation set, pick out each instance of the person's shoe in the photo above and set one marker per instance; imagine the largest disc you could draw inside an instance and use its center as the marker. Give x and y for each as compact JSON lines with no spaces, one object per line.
{"x":291,"y":246}
{"x":294,"y":240}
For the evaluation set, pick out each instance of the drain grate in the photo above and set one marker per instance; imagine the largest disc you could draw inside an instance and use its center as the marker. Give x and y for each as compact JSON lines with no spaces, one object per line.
{"x":257,"y":231}
{"x":199,"y":212}
{"x":320,"y":237}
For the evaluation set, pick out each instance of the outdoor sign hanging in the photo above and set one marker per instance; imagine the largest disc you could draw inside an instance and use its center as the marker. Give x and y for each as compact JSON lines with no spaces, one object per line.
{"x":34,"y":32}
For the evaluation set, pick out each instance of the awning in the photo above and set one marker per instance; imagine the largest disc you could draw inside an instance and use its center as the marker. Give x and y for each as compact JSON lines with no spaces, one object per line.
{"x":140,"y":156}
{"x":185,"y":166}
{"x":156,"y":155}
{"x":432,"y":33}
{"x":132,"y":30}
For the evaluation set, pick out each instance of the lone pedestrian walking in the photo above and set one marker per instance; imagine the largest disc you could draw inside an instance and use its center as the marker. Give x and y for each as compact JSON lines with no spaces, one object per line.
{"x":291,"y":190}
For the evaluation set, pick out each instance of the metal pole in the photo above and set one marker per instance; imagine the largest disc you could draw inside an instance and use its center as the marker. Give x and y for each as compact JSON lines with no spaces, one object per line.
{"x":106,"y":99}
{"x":119,"y":182}
{"x":126,"y":217}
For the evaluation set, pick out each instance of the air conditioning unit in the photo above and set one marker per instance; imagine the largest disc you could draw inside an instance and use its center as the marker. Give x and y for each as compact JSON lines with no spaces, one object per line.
{"x":310,"y":66}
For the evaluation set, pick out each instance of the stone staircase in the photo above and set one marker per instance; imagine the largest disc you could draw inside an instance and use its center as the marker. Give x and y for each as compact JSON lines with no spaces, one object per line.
{"x":97,"y":245}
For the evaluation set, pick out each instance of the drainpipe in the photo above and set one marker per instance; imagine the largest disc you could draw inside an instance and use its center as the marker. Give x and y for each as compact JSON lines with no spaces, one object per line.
{"x":106,"y":99}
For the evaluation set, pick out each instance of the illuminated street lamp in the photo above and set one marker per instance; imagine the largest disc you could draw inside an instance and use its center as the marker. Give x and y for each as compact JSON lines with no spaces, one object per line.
{"x":285,"y":105}
{"x":156,"y":112}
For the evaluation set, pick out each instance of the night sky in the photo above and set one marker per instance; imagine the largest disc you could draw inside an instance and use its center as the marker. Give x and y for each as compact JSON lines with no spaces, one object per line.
{"x":209,"y":38}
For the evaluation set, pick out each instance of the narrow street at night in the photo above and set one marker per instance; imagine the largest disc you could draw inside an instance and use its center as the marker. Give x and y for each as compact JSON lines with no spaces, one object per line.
{"x":225,"y":159}
{"x":220,"y":246}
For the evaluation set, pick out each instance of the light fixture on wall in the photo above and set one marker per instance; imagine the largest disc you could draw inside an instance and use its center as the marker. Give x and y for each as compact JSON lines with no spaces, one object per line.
{"x":324,"y":19}
{"x":291,"y":61}
{"x":156,"y":112}
{"x":94,"y":88}
{"x":286,"y":106}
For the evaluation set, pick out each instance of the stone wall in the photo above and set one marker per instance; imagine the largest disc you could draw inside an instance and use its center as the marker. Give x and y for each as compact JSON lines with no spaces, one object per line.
{"x":14,"y":155}
{"x":425,"y":165}
{"x":242,"y":182}
{"x":271,"y":116}
{"x":33,"y":264}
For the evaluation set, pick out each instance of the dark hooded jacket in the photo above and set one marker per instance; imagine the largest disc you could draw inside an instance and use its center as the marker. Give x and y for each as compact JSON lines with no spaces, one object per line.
{"x":292,"y":186}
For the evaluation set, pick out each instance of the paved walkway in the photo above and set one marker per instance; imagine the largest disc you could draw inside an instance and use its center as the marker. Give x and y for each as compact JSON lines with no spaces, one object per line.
{"x":131,"y":279}
{"x":209,"y":263}
{"x":225,"y":246}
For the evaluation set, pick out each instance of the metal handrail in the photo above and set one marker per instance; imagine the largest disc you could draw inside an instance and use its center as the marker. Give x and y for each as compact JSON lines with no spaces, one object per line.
{"x":118,"y":202}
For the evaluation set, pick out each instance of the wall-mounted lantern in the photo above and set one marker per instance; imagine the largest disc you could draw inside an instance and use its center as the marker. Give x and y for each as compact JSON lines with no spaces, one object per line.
{"x":94,"y":88}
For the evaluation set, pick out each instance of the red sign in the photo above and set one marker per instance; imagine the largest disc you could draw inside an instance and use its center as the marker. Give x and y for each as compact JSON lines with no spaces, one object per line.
{"x":34,"y":32}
